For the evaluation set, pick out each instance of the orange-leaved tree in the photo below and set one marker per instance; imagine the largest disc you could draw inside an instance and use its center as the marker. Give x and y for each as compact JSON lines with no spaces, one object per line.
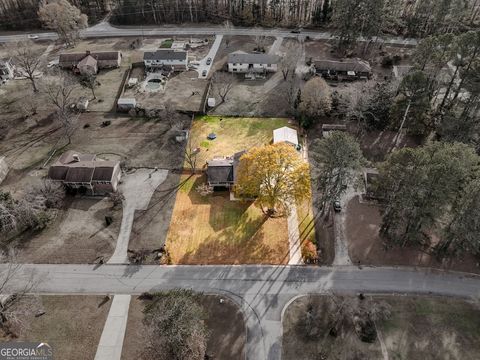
{"x":276,"y":175}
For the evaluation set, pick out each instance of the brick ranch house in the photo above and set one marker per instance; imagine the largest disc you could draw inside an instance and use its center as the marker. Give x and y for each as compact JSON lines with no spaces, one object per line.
{"x":88,"y":63}
{"x":85,"y":173}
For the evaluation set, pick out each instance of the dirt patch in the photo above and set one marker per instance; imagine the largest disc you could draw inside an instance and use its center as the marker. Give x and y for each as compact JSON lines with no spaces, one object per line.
{"x":184,"y":90}
{"x":224,"y":320}
{"x":71,"y":325}
{"x":77,"y":235}
{"x":215,"y":230}
{"x":419,"y":328}
{"x":150,"y":227}
{"x":367,"y":247}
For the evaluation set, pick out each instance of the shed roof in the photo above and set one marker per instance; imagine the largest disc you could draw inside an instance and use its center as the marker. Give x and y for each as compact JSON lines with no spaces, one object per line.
{"x":244,"y":58}
{"x":344,"y":65}
{"x":285,"y":134}
{"x":165,"y":54}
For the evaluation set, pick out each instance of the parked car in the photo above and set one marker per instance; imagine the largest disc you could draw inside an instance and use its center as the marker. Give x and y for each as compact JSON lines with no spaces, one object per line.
{"x":209,"y":61}
{"x":296,"y":31}
{"x":32,"y":37}
{"x":337,"y":207}
{"x":204,"y":73}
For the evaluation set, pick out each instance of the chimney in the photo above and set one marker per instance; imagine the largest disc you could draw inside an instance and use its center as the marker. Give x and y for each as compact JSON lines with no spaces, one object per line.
{"x":76,"y":158}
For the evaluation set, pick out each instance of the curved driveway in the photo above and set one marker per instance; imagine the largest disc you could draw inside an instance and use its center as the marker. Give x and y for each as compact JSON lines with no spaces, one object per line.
{"x":262,"y":291}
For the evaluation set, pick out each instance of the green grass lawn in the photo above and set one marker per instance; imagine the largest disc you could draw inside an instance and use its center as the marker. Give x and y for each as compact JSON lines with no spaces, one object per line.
{"x":233,"y":134}
{"x":167,"y":44}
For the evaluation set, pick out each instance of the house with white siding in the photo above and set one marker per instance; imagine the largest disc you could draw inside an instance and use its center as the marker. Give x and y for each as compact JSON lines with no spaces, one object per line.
{"x":242,"y":62}
{"x":166,"y":58}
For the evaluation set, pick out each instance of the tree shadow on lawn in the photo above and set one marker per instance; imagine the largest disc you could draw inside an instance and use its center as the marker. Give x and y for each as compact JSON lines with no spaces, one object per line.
{"x":235,"y":245}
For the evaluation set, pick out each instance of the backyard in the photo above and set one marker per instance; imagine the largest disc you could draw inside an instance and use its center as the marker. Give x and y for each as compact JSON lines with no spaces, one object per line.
{"x":418,"y":328}
{"x":213,"y":229}
{"x":233,"y":135}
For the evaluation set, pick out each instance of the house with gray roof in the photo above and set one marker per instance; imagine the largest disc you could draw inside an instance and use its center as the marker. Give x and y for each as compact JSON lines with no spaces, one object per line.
{"x":90,"y":62}
{"x":222,"y":172}
{"x":86,"y":173}
{"x":176,"y":60}
{"x":347,"y":69}
{"x":242,"y":62}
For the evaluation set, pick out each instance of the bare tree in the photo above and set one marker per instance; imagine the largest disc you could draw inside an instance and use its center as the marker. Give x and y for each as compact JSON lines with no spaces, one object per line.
{"x":190,"y":153}
{"x":15,"y":305}
{"x":222,"y":83}
{"x":66,"y":19}
{"x":89,"y":81}
{"x":60,"y":94}
{"x":288,"y":63}
{"x":28,"y":60}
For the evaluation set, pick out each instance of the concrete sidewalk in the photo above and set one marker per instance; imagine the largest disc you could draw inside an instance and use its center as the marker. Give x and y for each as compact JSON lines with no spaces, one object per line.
{"x":294,"y":237}
{"x":111,"y":342}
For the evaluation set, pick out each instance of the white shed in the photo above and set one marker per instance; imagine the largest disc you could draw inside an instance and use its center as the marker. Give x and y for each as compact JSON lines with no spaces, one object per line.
{"x":285,"y":134}
{"x":125,"y":104}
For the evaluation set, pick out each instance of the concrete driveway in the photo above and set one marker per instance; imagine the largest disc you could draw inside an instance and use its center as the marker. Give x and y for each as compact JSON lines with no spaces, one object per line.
{"x":211,"y":54}
{"x":137,"y":188}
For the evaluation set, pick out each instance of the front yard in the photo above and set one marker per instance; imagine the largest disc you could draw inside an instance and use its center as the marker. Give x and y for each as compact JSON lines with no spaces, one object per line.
{"x":215,"y":230}
{"x":418,"y":328}
{"x":71,"y":325}
{"x":233,"y":135}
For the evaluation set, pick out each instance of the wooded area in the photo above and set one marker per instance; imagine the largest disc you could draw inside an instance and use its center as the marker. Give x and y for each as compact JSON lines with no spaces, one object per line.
{"x":404,"y":17}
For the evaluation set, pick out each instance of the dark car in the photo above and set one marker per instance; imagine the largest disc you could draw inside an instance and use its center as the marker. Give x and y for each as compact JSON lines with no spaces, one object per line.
{"x":204,"y":73}
{"x":337,"y":207}
{"x":296,"y":31}
{"x":209,"y":61}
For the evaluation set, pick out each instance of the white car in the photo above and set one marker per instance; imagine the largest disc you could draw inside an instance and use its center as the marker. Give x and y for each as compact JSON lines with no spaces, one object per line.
{"x":32,"y":36}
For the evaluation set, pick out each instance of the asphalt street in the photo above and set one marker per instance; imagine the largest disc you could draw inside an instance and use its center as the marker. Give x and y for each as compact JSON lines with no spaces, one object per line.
{"x":262,"y":292}
{"x":104,"y":29}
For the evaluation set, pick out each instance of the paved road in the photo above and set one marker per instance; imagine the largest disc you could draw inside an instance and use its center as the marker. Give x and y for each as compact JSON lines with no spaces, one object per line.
{"x":261,"y":291}
{"x":104,"y":29}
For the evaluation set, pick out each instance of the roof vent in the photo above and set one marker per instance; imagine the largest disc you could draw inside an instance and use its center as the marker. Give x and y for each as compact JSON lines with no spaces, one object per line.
{"x":76,"y":158}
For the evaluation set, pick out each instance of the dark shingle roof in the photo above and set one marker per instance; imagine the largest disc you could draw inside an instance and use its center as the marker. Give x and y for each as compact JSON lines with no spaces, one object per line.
{"x":103,"y":171}
{"x":347,"y":65}
{"x":220,"y":174}
{"x":76,"y":57}
{"x":81,"y":173}
{"x":165,"y":55}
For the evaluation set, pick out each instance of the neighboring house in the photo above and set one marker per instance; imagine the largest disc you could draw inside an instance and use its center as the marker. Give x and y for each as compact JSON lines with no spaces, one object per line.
{"x":90,"y":62}
{"x":166,"y":58}
{"x":241,"y":62}
{"x":222,"y":172}
{"x":6,"y":70}
{"x":351,"y":69}
{"x":86,"y":173}
{"x":285,"y":134}
{"x":88,"y":65}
